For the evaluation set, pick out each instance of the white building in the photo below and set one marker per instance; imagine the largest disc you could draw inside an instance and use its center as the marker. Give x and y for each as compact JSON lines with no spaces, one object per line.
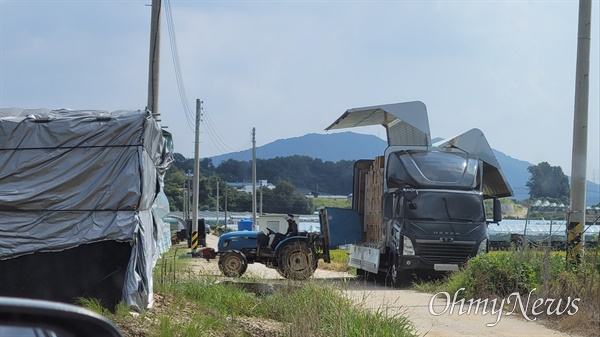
{"x":247,"y":187}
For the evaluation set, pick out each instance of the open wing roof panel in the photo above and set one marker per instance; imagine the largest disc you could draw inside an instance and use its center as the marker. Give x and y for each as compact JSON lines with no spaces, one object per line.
{"x":474,"y":142}
{"x":406,"y":123}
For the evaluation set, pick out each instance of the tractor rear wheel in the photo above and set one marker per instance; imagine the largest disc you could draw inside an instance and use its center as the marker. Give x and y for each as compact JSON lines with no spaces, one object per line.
{"x":297,"y":261}
{"x":233,"y":264}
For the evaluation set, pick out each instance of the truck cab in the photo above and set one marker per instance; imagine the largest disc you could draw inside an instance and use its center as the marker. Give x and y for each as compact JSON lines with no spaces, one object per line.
{"x":434,"y":203}
{"x":420,"y":206}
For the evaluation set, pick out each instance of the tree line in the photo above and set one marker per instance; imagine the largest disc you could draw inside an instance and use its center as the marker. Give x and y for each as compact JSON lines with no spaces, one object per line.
{"x":324,"y":177}
{"x":301,"y":171}
{"x":287,"y":173}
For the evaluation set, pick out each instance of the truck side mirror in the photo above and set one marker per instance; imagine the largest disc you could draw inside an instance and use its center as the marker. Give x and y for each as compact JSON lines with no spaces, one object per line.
{"x":497,"y":209}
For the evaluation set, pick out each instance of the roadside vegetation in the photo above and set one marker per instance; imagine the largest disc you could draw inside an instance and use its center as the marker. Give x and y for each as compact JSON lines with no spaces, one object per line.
{"x":330,"y":202}
{"x":543,"y":274}
{"x":187,"y":304}
{"x":339,"y":262}
{"x":190,"y":305}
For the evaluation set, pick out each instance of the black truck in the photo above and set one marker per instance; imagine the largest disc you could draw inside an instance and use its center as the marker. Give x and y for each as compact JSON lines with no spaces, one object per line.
{"x":419,"y":206}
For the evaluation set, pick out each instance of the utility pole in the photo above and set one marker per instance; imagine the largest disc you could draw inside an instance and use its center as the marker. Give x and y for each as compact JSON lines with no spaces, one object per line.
{"x":196,"y":178}
{"x":225,"y":206}
{"x":188,"y":178}
{"x":254,"y":178}
{"x":261,"y":190}
{"x":153,"y":70}
{"x":217,"y":202}
{"x":184,"y":199}
{"x":576,"y":218}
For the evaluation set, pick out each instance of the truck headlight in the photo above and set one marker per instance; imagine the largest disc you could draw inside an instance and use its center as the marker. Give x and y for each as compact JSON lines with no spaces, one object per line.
{"x":407,"y":246}
{"x":482,"y":247}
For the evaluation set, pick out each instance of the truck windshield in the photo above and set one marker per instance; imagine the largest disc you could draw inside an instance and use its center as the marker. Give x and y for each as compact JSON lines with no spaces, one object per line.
{"x":445,"y":206}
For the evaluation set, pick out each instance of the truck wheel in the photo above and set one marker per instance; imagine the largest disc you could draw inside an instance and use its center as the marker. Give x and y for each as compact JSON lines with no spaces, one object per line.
{"x":233,"y":264}
{"x":297,"y":261}
{"x":397,"y":276}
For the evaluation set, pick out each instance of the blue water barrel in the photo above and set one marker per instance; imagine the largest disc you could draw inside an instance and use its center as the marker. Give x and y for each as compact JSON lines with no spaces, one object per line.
{"x":245,"y":225}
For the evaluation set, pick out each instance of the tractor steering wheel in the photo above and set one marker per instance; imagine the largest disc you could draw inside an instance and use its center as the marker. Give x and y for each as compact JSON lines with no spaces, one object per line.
{"x":270,"y":231}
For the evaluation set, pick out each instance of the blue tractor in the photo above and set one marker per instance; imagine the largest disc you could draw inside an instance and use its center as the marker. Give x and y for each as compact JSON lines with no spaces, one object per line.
{"x":294,"y":254}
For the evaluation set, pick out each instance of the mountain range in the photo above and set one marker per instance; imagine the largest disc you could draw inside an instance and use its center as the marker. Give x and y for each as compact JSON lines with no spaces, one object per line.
{"x":352,"y":146}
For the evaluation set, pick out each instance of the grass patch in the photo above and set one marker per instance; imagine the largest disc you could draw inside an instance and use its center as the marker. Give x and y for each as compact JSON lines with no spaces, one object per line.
{"x":92,"y":304}
{"x":329,"y":202}
{"x":190,"y":305}
{"x":499,"y":274}
{"x":317,"y":310}
{"x":339,"y":261}
{"x":208,"y":308}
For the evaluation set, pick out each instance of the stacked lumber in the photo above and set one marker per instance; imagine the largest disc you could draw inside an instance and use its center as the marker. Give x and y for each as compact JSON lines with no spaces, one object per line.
{"x":373,"y":201}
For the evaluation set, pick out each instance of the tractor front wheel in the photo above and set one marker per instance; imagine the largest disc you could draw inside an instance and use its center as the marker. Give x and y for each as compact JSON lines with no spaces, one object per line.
{"x":233,"y":264}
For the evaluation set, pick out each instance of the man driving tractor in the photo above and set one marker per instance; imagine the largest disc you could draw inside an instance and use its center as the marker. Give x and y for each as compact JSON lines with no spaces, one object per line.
{"x":292,"y":226}
{"x":274,"y":238}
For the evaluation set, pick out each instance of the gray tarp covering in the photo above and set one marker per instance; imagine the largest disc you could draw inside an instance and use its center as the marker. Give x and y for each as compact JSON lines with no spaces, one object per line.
{"x":537,"y":230}
{"x":69,"y":178}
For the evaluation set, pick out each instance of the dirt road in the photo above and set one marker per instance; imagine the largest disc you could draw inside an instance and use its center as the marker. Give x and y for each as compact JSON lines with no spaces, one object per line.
{"x":416,"y":306}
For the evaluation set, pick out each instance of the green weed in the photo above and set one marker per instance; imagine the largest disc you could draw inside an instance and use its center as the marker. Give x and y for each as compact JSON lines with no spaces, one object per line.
{"x":499,"y":274}
{"x":190,"y":305}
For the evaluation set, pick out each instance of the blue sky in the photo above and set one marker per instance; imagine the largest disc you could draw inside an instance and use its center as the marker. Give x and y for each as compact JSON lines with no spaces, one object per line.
{"x":292,"y":67}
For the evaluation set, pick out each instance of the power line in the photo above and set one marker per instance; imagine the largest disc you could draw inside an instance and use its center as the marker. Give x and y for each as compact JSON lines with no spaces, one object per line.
{"x":209,"y":126}
{"x":177,"y":65}
{"x":216,"y":136}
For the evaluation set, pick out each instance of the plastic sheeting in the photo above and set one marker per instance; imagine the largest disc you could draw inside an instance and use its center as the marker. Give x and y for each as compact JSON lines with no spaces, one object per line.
{"x":537,"y":230}
{"x":69,"y":178}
